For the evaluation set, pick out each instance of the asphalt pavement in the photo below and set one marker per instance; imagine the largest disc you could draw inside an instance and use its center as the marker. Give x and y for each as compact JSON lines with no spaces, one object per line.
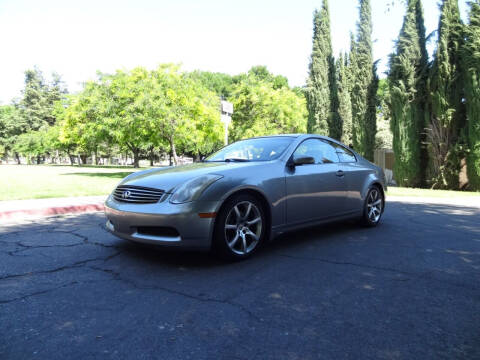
{"x":408,"y":289}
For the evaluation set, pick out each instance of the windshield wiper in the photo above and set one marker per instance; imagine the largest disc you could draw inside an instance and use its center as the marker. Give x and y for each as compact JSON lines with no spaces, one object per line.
{"x":235,"y":160}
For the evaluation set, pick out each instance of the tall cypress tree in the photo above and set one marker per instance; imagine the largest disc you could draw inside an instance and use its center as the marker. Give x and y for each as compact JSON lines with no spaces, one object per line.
{"x":319,"y":84}
{"x":364,"y":92}
{"x":344,"y":100}
{"x":447,"y":119}
{"x":472,"y":93}
{"x":407,"y":80}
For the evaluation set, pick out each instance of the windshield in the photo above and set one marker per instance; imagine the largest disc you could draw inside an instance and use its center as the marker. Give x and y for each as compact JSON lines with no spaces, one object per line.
{"x":260,"y":149}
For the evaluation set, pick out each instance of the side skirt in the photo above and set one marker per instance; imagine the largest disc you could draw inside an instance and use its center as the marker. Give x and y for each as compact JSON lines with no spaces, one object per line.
{"x":280,"y":229}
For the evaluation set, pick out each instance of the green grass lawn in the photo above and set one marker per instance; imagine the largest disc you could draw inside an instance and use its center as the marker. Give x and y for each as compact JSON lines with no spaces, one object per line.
{"x":46,"y":181}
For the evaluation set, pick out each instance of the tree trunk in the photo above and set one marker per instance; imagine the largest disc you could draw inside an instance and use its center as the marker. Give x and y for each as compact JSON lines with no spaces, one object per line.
{"x":17,"y":158}
{"x":135,"y":158}
{"x":173,"y":151}
{"x":152,"y":156}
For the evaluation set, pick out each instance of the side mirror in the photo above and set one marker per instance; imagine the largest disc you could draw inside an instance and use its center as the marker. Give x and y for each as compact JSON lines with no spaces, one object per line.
{"x":303,"y":160}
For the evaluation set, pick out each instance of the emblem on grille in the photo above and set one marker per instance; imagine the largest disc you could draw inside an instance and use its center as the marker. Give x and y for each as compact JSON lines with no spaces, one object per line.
{"x":126,"y":194}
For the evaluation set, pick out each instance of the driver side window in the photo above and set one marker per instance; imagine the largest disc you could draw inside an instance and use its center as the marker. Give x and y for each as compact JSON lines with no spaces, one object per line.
{"x":321,"y":151}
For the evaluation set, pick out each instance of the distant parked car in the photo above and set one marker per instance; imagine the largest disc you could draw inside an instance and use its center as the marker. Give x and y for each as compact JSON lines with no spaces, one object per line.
{"x":246,"y":193}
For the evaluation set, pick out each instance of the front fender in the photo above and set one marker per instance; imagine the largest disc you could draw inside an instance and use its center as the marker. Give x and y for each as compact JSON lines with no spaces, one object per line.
{"x":271,"y":190}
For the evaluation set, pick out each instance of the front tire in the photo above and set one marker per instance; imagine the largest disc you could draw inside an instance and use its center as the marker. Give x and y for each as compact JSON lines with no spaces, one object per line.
{"x":373,"y":207}
{"x":240,"y":227}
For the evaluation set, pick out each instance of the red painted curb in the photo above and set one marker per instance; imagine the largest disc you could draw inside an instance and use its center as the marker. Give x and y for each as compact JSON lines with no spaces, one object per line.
{"x":72,"y":209}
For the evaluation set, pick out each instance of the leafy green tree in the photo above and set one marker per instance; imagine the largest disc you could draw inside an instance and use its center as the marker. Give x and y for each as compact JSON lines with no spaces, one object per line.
{"x":55,"y":92}
{"x":318,"y":90}
{"x":31,"y":145}
{"x":193,"y":118}
{"x":447,"y":120}
{"x":143,"y":111}
{"x":126,"y":109}
{"x":83,"y":128}
{"x":472,"y":93}
{"x":344,"y":99}
{"x":261,"y":73}
{"x":260,"y":109}
{"x":33,"y":104}
{"x":184,"y":108}
{"x":12,"y":124}
{"x":408,"y":97}
{"x":364,"y":90}
{"x":38,"y":99}
{"x":221,"y":84}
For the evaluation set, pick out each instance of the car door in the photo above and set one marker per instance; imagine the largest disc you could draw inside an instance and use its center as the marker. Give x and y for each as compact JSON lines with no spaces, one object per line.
{"x":354,"y":177}
{"x":315,"y":191}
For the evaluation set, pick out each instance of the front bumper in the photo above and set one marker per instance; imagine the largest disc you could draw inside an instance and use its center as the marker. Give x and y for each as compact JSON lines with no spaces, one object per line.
{"x":186,"y":228}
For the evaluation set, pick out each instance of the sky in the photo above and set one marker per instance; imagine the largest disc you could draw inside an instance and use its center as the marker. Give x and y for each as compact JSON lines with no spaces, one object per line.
{"x":78,"y":38}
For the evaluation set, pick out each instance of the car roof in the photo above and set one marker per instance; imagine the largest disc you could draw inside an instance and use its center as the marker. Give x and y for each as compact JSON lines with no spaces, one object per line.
{"x":295,"y":136}
{"x":303,"y":136}
{"x":276,"y":135}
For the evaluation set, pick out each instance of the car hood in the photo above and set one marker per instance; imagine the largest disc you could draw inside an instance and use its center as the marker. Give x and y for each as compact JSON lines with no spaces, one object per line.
{"x":168,"y":178}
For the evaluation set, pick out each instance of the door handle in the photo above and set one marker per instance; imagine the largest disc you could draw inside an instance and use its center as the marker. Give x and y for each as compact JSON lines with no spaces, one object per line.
{"x":340,"y":173}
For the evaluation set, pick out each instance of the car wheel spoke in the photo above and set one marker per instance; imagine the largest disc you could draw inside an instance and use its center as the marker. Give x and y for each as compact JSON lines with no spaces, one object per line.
{"x":230,"y":227}
{"x":254,"y":221}
{"x":234,"y":241}
{"x":237,"y":212}
{"x":244,"y":244}
{"x":252,"y":234}
{"x":249,"y":208}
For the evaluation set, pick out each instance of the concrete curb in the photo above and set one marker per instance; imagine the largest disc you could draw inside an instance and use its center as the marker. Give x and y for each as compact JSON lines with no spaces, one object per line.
{"x":58,"y":210}
{"x":38,"y":208}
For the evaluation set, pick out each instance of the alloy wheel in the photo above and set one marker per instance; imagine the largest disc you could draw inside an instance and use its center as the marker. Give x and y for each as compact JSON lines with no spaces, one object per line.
{"x":374,"y":205}
{"x":243,"y":227}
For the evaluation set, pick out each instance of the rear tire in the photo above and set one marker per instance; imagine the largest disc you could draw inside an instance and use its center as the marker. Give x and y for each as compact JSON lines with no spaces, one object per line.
{"x":240,"y":227}
{"x":373,"y":207}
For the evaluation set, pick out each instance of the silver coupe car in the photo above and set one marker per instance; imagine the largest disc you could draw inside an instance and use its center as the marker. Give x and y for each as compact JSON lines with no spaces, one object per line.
{"x":247,"y":193}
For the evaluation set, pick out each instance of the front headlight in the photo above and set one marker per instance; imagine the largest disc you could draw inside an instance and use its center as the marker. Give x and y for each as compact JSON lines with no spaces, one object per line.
{"x":192,"y":189}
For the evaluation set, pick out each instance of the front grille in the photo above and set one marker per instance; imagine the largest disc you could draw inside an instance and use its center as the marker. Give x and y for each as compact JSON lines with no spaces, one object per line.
{"x":137,"y":194}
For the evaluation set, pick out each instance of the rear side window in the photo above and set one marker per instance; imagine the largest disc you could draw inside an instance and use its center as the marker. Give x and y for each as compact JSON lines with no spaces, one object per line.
{"x":322,"y":151}
{"x":344,"y":154}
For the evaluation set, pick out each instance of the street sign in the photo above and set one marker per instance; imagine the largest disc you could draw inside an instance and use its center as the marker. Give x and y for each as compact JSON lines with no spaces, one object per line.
{"x":227,"y":107}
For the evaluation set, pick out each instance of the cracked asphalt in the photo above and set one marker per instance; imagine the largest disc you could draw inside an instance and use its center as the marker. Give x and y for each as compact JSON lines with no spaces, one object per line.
{"x":408,"y":289}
